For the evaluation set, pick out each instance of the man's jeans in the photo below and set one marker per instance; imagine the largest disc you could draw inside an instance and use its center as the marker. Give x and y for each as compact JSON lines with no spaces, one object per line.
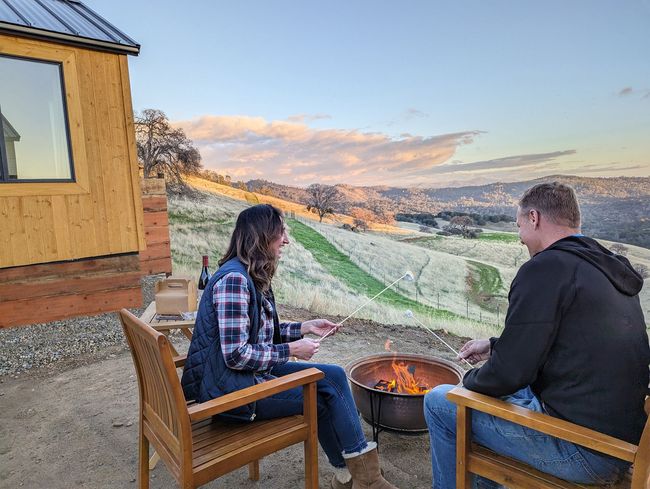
{"x":339,"y":428}
{"x":543,"y":452}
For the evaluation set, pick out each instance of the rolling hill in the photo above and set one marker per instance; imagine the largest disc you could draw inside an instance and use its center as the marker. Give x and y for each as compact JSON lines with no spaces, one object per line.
{"x":461,"y":285}
{"x":617,"y":209}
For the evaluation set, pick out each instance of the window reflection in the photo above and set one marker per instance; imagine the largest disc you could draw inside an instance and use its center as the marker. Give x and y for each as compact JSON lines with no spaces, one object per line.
{"x":34,"y":123}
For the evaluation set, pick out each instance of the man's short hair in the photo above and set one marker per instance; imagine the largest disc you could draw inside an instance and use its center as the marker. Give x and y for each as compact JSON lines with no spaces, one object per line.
{"x":556,"y":201}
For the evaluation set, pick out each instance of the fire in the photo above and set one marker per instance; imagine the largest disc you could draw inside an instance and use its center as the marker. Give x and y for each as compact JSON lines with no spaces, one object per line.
{"x":405,"y":381}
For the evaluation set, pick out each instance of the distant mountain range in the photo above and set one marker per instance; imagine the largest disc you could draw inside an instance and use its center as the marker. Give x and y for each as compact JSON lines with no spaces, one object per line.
{"x":616,"y":208}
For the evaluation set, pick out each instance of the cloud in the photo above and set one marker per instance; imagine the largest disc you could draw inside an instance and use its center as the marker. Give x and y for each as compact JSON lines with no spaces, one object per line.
{"x":307,"y":117}
{"x":412,"y":113}
{"x":408,"y":115}
{"x":292,"y":152}
{"x":625,"y":92}
{"x":629,"y":91}
{"x":508,"y":162}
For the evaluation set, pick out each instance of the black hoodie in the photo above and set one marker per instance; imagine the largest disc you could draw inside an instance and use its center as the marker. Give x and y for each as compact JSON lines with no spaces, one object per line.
{"x":576,"y":334}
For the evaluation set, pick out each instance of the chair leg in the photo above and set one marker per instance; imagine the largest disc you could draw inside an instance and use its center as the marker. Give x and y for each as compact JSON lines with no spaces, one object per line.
{"x":463,"y":445}
{"x":311,"y":463}
{"x":311,"y":443}
{"x":254,"y":470}
{"x":143,"y":462}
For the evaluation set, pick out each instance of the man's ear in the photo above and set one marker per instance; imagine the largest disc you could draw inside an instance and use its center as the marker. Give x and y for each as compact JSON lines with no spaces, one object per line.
{"x":533,"y":217}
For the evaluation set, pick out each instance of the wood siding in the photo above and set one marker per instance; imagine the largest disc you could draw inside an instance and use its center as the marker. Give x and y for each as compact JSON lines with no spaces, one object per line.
{"x":100,"y":214}
{"x":43,"y":293}
{"x":157,"y":257}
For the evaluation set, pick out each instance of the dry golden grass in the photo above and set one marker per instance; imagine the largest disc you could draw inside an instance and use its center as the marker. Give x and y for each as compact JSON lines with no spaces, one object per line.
{"x":441,"y":268}
{"x":298,"y":209}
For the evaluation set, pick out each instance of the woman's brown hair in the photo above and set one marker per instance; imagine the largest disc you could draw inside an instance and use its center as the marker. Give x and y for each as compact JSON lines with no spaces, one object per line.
{"x":255,"y":229}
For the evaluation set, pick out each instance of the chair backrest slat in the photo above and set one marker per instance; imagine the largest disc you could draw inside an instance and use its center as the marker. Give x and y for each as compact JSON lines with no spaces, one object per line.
{"x":162,"y":404}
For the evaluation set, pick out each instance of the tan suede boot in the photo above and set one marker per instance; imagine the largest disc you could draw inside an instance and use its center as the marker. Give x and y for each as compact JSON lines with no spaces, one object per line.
{"x":365,"y":470}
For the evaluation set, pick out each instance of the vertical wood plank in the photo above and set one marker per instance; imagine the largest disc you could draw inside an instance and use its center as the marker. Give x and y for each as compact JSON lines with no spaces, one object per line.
{"x":254,"y":470}
{"x":463,"y":444}
{"x":311,"y":444}
{"x":61,"y":232}
{"x":125,"y":86}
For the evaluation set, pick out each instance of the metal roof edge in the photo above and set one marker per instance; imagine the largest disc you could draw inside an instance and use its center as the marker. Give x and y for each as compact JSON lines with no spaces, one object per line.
{"x":75,"y":40}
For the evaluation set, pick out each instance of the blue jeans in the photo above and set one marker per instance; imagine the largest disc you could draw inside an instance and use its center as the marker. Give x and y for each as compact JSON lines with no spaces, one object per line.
{"x":339,"y":428}
{"x":543,"y":452}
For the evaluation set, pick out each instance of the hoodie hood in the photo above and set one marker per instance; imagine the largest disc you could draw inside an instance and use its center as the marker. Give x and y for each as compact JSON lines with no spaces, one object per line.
{"x":616,"y":268}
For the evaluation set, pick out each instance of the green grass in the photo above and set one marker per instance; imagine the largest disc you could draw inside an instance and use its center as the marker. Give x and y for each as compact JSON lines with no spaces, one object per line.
{"x":499,"y":237}
{"x":340,"y":266}
{"x":485,"y":284}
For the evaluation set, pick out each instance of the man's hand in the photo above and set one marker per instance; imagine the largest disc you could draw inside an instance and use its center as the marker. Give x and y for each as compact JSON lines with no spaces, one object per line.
{"x":303,"y":349}
{"x":475,"y":351}
{"x":319,"y":327}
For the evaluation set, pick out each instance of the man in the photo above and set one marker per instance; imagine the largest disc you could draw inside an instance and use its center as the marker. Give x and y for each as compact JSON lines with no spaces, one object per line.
{"x":574,"y":346}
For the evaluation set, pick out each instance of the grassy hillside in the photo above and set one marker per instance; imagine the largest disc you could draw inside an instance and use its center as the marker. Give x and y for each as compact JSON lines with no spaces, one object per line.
{"x":461,"y":285}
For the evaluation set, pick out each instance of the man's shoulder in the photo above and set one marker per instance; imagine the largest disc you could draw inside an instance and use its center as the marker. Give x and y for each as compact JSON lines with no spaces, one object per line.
{"x":548,"y":261}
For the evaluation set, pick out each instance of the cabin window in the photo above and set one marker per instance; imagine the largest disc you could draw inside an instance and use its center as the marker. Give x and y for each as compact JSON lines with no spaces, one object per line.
{"x":35,"y":143}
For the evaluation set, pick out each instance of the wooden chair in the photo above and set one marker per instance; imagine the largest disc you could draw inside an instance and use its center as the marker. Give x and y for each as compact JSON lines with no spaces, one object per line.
{"x":474,"y":459}
{"x":195,"y":448}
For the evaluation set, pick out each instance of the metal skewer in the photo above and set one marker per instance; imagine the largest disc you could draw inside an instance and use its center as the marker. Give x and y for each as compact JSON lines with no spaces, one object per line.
{"x":408,"y":276}
{"x":409,"y":314}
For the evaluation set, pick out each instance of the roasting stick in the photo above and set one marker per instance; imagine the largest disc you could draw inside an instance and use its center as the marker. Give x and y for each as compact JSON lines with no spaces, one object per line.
{"x":408,"y":276}
{"x":409,"y":314}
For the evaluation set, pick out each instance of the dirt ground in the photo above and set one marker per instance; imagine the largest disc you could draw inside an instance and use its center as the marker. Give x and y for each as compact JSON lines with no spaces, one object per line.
{"x":76,"y":424}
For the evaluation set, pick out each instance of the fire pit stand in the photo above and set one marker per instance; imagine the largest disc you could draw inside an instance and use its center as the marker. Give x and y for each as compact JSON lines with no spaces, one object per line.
{"x":393,"y":411}
{"x":374,"y":422}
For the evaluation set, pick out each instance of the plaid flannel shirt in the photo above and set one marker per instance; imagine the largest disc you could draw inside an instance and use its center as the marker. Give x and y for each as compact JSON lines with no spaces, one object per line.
{"x":230,"y":298}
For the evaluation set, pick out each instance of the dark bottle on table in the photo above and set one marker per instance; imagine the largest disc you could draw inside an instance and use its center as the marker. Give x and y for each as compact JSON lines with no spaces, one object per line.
{"x":205,"y":274}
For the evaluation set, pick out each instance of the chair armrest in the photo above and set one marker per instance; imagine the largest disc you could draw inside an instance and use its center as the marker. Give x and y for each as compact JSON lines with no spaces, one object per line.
{"x":179,"y":360}
{"x":253,"y":393}
{"x":544,"y":423}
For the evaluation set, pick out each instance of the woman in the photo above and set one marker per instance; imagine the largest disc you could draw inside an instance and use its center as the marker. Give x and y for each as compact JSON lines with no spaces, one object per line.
{"x":238,"y":341}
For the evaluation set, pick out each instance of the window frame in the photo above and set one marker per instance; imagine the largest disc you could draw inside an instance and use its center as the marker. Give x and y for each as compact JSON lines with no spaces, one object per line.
{"x":65,"y":56}
{"x":4,"y":169}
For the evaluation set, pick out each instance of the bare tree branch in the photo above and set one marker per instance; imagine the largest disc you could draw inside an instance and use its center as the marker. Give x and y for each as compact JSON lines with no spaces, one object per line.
{"x":323,"y":199}
{"x":163,"y":149}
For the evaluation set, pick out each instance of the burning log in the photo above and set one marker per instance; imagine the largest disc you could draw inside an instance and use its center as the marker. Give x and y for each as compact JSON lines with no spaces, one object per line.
{"x":404,"y":382}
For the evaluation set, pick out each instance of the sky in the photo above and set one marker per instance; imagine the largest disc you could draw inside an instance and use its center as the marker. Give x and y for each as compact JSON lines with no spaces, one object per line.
{"x":414,"y":93}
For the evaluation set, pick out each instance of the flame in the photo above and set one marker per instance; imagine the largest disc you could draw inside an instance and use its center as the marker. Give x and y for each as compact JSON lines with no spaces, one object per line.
{"x":405,"y":382}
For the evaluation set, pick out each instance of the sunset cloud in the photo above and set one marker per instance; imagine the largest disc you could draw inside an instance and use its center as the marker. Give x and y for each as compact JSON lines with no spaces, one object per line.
{"x":508,"y":162}
{"x":292,"y":152}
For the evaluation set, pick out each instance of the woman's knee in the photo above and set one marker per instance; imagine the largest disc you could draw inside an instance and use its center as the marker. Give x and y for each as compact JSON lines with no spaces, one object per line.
{"x":334,"y":374}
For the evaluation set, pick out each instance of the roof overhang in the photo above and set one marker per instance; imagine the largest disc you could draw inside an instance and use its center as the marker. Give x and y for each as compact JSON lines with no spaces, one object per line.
{"x":45,"y":35}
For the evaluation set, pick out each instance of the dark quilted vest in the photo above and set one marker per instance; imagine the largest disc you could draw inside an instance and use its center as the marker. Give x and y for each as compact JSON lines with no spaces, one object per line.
{"x":206,"y":375}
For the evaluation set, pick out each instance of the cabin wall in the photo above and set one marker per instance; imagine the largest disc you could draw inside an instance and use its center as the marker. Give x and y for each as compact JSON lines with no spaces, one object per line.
{"x":53,"y":291}
{"x":101,"y":213}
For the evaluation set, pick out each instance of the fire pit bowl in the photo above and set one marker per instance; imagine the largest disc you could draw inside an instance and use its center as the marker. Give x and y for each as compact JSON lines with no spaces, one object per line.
{"x":393,"y":410}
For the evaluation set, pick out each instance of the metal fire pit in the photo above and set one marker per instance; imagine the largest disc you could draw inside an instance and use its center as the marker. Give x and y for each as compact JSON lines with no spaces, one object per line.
{"x":391,"y":410}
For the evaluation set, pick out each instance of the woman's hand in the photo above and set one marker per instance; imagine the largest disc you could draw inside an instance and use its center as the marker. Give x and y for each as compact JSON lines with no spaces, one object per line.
{"x":474,"y":351}
{"x":303,"y":349}
{"x":319,"y":327}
